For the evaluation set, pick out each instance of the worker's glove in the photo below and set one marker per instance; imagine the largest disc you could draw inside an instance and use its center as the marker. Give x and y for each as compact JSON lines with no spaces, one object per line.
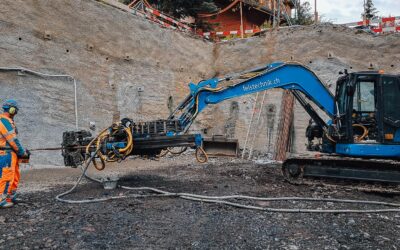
{"x":26,"y":155}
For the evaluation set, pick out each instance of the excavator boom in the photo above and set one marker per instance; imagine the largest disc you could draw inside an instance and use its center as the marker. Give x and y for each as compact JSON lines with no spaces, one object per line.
{"x":292,"y":76}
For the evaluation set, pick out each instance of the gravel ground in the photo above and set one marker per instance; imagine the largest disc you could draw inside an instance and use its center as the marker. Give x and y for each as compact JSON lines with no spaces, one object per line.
{"x":41,"y":222}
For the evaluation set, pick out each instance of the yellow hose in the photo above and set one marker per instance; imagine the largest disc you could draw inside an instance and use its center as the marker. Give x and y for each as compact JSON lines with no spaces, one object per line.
{"x":124,"y":151}
{"x":103,"y":164}
{"x":94,"y":139}
{"x":129,"y":145}
{"x":111,"y":157}
{"x":197,"y":98}
{"x":197,"y":154}
{"x":365,"y":132}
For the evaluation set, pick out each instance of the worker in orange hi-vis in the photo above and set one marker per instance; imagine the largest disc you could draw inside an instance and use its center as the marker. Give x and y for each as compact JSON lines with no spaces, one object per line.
{"x":11,"y":151}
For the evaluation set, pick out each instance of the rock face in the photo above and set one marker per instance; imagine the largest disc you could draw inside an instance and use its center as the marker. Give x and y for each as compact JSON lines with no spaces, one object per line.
{"x":325,"y":49}
{"x":123,"y":65}
{"x":128,"y":67}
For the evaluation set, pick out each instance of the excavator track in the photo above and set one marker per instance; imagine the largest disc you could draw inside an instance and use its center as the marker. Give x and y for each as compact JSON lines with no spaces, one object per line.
{"x":368,"y":175}
{"x":377,"y":188}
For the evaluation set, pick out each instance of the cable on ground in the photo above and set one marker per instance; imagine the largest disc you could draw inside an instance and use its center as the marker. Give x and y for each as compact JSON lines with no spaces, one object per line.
{"x":224,"y":199}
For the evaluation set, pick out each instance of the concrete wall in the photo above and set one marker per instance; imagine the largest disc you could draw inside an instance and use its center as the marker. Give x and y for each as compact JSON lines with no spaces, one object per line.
{"x":91,"y":42}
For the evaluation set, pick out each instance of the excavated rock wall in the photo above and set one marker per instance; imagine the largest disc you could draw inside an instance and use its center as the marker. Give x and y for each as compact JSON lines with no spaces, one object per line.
{"x":325,"y":49}
{"x":91,"y":42}
{"x":126,"y":66}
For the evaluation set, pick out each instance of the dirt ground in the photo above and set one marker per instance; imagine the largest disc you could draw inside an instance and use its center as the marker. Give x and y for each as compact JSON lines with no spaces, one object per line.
{"x":39,"y":221}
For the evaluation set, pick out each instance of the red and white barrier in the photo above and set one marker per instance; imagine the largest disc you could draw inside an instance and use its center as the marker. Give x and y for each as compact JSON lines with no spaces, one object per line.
{"x":227,"y":33}
{"x":382,"y":25}
{"x":167,"y":18}
{"x":147,"y":11}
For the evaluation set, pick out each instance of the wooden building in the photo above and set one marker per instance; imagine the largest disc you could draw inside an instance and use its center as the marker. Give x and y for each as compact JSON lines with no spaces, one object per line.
{"x":246,"y":16}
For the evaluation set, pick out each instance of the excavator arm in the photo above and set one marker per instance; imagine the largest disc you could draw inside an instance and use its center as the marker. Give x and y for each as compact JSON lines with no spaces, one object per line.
{"x":291,"y":76}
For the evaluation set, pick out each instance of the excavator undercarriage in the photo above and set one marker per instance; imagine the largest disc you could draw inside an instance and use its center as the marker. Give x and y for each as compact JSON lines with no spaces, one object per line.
{"x":319,"y":165}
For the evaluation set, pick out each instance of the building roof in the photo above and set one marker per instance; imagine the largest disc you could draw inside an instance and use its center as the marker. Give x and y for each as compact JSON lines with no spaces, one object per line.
{"x":255,"y":4}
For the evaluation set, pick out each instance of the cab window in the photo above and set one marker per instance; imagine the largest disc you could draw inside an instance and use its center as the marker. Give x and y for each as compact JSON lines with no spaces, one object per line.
{"x":364,"y":96}
{"x":391,"y":97}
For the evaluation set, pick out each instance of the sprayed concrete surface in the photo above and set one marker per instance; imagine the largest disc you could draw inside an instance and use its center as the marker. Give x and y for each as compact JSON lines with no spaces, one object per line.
{"x":128,"y":67}
{"x":91,"y":42}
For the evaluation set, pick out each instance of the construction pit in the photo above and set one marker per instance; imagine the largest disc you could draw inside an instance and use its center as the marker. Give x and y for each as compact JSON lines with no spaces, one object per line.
{"x":126,"y":66}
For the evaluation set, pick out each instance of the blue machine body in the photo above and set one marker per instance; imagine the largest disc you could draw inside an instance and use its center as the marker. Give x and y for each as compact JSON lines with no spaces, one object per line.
{"x":369,"y":150}
{"x":283,"y":76}
{"x":115,"y":145}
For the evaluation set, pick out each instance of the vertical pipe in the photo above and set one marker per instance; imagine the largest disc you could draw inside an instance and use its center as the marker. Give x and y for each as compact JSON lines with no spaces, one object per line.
{"x":241,"y":20}
{"x":315,"y":12}
{"x":76,"y":105}
{"x":364,"y":16}
{"x":279,"y":12}
{"x":274,"y":14}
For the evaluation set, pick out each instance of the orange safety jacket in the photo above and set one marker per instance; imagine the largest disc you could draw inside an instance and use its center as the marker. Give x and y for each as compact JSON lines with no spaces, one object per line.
{"x":8,"y":137}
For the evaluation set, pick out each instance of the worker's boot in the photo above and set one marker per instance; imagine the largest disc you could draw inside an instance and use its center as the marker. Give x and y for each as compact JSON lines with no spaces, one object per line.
{"x":14,"y":198}
{"x":6,"y":203}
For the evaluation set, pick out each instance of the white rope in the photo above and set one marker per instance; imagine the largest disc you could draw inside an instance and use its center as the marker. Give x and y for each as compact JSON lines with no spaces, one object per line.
{"x":223,"y":199}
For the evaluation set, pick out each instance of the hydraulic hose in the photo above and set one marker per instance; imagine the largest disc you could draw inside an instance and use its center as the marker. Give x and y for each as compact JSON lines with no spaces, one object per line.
{"x":84,"y":169}
{"x":365,"y":132}
{"x":112,"y":156}
{"x":200,"y":151}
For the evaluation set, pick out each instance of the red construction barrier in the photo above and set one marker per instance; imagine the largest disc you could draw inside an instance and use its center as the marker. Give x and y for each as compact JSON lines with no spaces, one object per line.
{"x":388,"y":19}
{"x":362,"y":22}
{"x":384,"y":25}
{"x":157,"y":16}
{"x":377,"y":30}
{"x":227,"y":33}
{"x":167,"y":18}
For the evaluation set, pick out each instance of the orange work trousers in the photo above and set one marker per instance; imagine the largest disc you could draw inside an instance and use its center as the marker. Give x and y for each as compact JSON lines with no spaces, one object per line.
{"x":9,"y":174}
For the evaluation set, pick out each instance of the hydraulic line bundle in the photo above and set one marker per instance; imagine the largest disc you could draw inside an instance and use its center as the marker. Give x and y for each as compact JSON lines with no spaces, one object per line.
{"x":126,"y":138}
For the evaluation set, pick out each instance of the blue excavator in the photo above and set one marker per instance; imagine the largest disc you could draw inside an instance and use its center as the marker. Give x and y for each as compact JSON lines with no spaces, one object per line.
{"x":359,"y":141}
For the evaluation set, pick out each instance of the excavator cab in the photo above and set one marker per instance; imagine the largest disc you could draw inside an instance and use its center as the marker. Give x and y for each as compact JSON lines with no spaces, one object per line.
{"x":365,"y":133}
{"x":367,"y":108}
